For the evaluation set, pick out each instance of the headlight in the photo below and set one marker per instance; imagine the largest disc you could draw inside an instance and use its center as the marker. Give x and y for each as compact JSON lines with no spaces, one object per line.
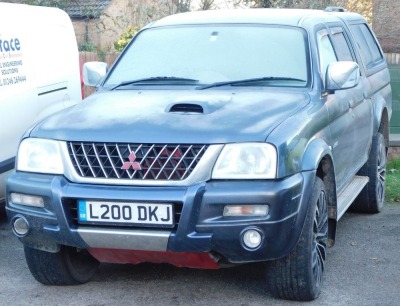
{"x":246,"y":161}
{"x":40,"y":155}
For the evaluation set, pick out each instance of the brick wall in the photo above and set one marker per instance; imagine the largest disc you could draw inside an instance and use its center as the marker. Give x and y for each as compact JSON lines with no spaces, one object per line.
{"x":386,"y":24}
{"x":394,"y":153}
{"x":104,"y":31}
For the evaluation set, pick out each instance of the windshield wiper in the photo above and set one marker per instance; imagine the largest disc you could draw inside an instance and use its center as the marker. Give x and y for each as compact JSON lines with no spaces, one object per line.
{"x":155,"y":79}
{"x":254,"y":80}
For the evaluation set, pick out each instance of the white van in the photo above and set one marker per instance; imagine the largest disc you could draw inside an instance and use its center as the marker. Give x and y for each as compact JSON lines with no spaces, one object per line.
{"x":39,"y":72}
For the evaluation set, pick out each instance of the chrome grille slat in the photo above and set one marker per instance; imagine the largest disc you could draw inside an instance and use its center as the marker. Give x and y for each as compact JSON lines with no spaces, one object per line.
{"x":76,"y":159}
{"x":125,"y":161}
{"x":193,"y":161}
{"x":87,"y":160}
{"x":166,"y":163}
{"x":155,"y":160}
{"x":111,"y":161}
{"x":147,"y":154}
{"x":177,"y":165}
{"x":96,"y":152}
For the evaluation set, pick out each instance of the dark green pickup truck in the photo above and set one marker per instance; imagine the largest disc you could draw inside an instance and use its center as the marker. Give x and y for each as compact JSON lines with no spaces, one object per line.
{"x":217,"y":138}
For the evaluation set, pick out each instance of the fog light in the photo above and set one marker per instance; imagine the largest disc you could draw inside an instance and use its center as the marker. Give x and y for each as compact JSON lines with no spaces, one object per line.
{"x":252,"y":238}
{"x":20,"y":226}
{"x":27,"y":200}
{"x":246,"y":210}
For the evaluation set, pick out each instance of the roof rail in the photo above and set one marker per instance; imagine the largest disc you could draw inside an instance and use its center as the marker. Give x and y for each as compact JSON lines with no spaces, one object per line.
{"x":334,"y":9}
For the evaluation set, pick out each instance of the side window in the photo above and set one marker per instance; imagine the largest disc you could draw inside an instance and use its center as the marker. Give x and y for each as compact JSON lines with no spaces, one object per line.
{"x":326,"y":52}
{"x":370,"y":53}
{"x":343,"y":51}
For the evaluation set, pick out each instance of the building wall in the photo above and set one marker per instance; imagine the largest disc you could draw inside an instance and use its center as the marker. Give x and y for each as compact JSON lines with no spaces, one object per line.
{"x":386,"y":24}
{"x":99,"y":32}
{"x":79,"y":27}
{"x":104,"y":31}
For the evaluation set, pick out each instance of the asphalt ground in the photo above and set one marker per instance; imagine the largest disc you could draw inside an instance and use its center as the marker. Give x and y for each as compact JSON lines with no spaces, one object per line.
{"x":363,"y":268}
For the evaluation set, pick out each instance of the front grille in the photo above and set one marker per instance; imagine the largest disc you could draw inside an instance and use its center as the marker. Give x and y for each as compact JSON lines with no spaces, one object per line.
{"x":135,"y":161}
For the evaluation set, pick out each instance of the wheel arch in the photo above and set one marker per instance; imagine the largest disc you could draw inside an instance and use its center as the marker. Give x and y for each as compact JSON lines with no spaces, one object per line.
{"x":384,"y":125}
{"x":326,"y":172}
{"x":318,"y":156}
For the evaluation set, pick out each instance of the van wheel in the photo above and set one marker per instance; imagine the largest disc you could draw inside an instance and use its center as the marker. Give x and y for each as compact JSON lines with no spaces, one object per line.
{"x":299,"y":276}
{"x":67,"y":267}
{"x":372,"y":197}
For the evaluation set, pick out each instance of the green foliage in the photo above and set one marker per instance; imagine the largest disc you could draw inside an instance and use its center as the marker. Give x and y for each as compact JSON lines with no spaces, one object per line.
{"x":393,"y":181}
{"x":87,"y":46}
{"x":125,"y":38}
{"x":102,"y":55}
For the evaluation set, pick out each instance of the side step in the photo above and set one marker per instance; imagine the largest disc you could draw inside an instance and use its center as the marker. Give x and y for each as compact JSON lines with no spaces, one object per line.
{"x":350,"y":193}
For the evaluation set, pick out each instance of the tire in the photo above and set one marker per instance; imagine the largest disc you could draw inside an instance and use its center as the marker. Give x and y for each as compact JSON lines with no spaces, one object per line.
{"x":299,"y":276}
{"x":372,"y":197}
{"x":67,"y":267}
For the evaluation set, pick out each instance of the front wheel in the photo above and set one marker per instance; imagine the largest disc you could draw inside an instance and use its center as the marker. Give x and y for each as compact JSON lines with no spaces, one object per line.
{"x":69,"y":266}
{"x":299,"y":276}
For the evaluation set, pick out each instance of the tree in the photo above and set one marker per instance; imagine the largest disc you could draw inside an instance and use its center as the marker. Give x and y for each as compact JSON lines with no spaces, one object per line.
{"x":263,"y":3}
{"x":125,"y":38}
{"x":205,"y":5}
{"x":181,"y":6}
{"x":363,"y":7}
{"x":311,"y":4}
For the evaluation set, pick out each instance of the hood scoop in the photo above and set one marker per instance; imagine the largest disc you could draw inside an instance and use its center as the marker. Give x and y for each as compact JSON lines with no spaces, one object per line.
{"x":187,"y":108}
{"x":198,"y":104}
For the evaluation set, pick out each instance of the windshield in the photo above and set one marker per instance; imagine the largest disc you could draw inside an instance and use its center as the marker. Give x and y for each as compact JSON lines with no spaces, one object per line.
{"x":208,"y":54}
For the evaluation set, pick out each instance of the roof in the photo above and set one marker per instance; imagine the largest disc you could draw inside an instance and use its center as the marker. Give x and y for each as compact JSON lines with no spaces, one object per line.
{"x":87,"y":8}
{"x":292,"y":17}
{"x":76,"y":9}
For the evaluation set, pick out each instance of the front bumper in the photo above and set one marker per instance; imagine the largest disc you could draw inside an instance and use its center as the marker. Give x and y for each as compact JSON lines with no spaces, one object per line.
{"x":201,"y":226}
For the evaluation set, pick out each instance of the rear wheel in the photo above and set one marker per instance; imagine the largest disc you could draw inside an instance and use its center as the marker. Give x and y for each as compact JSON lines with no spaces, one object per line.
{"x":69,"y":266}
{"x":299,"y":276}
{"x":372,"y":197}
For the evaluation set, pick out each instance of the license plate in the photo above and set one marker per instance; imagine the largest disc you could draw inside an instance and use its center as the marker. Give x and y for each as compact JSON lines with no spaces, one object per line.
{"x":124,"y":213}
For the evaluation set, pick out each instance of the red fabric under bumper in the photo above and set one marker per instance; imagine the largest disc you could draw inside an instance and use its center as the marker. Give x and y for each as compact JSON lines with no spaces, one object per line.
{"x":188,"y":260}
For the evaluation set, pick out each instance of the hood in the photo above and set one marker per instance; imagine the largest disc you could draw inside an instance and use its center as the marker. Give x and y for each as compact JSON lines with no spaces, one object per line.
{"x":159,"y":116}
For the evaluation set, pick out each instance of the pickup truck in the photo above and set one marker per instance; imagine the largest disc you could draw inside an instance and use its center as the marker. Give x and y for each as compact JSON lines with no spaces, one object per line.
{"x":217,"y":138}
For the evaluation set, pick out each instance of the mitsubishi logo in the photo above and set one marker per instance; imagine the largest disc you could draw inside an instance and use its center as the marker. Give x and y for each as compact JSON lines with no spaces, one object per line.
{"x":131,"y":163}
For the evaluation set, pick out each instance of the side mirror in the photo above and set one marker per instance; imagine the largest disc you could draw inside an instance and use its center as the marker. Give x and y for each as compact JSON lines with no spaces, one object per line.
{"x":93,"y":72}
{"x":342,"y":75}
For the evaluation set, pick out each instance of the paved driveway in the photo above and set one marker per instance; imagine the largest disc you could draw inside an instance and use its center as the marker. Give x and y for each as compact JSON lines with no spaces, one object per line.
{"x":363,"y":269}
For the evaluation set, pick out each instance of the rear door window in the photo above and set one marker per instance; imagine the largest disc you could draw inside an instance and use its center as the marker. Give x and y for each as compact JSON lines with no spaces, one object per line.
{"x":369,"y":49}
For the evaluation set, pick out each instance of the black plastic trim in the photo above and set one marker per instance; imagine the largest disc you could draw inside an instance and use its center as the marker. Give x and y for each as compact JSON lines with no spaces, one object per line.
{"x":51,"y":91}
{"x":7,"y":165}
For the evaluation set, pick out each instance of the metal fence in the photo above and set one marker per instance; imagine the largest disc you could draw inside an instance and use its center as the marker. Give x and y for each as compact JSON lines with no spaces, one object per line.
{"x":393,"y":58}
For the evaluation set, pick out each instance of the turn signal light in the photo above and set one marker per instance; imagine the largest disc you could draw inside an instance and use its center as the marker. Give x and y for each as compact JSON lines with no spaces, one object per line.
{"x":246,"y":210}
{"x":27,"y":200}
